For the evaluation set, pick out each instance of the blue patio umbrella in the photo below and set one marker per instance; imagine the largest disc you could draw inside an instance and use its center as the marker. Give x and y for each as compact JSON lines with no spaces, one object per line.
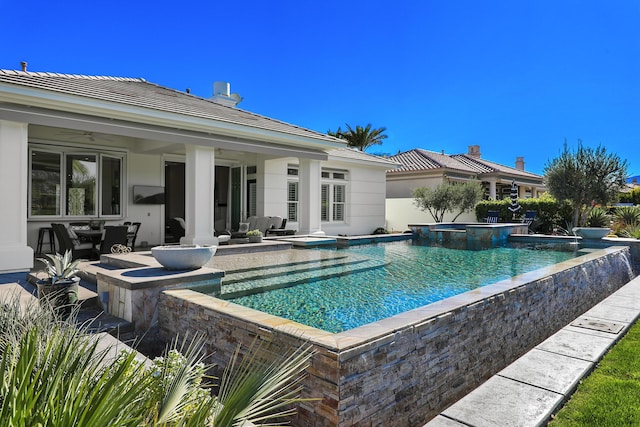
{"x":514,"y":207}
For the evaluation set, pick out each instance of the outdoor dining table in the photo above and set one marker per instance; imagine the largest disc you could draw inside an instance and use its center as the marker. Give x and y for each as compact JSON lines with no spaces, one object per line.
{"x":95,"y":236}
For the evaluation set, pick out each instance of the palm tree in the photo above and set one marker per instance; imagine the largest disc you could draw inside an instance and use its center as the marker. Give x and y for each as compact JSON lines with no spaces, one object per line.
{"x":360,"y":137}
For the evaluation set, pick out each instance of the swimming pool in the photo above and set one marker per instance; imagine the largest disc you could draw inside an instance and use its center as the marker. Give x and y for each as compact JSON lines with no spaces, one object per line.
{"x":364,"y":284}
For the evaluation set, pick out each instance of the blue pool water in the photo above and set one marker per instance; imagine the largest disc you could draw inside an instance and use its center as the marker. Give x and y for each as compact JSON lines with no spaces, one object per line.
{"x":371,"y":282}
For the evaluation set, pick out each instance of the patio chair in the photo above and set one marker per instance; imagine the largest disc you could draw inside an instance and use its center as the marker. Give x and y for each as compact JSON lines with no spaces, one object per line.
{"x":113,"y":235}
{"x":492,"y":217}
{"x":528,"y":219}
{"x":68,"y":240}
{"x":529,"y":216}
{"x":132,"y":233}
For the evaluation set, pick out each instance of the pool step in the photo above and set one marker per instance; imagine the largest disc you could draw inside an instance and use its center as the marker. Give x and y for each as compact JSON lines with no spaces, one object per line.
{"x":284,"y":277}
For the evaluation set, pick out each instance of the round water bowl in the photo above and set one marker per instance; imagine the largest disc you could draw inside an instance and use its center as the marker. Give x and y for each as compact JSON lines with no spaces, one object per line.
{"x":591,"y":232}
{"x":183,"y":257}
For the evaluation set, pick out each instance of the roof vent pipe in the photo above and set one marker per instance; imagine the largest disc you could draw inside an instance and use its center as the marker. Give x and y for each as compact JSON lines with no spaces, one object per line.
{"x":23,"y":64}
{"x":222,"y":95}
{"x":221,"y":88}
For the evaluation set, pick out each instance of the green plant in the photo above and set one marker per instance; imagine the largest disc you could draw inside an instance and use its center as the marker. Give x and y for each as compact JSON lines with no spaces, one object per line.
{"x":632,"y":231}
{"x":448,"y":197}
{"x":598,"y":217}
{"x":60,"y":267}
{"x":255,"y":232}
{"x":627,"y":215}
{"x":584,"y":177}
{"x":53,"y":374}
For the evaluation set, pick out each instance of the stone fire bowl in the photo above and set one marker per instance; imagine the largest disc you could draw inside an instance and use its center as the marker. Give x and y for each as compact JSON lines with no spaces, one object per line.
{"x":591,"y":232}
{"x":183,"y":257}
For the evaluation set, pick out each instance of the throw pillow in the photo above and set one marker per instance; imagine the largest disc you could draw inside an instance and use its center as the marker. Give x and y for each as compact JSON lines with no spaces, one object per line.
{"x":243,"y":227}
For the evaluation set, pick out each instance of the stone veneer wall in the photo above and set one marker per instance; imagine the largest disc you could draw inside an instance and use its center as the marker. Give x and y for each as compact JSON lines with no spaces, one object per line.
{"x":407,"y":376}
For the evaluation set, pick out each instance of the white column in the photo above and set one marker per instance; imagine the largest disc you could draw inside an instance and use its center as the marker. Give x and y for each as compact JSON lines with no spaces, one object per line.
{"x":522,"y":191}
{"x":492,"y":189}
{"x":309,"y":197}
{"x":15,"y":255}
{"x":199,"y":198}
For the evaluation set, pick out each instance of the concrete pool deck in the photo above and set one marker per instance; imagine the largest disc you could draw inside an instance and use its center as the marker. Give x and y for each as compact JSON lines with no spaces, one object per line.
{"x":530,"y":390}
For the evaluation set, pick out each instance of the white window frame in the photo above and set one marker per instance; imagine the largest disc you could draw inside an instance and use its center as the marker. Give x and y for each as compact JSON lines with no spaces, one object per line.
{"x":64,"y":152}
{"x":329,"y":206}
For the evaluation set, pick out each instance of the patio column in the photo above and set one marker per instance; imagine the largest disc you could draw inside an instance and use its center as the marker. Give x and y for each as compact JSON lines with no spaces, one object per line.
{"x":199,"y":177}
{"x":522,"y":191}
{"x":309,"y":197}
{"x":492,"y":189}
{"x":15,"y":255}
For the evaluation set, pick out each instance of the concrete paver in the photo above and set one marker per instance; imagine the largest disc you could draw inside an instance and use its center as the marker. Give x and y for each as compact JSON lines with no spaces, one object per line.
{"x":550,"y":371}
{"x":504,"y":402}
{"x":576,"y":344}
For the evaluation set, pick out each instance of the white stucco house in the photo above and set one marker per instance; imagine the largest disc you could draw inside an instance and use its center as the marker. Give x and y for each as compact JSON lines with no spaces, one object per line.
{"x":424,"y":168}
{"x":77,"y":148}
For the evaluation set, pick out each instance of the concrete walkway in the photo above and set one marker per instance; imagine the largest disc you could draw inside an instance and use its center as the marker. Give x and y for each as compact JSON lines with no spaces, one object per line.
{"x":531,"y":389}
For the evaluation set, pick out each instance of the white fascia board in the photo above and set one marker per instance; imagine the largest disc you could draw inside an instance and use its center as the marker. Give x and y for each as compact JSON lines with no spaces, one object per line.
{"x":83,"y":105}
{"x":386,"y":165}
{"x":63,"y":119}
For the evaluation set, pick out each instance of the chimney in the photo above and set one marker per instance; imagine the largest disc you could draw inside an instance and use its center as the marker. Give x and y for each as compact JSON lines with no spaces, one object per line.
{"x":520,"y":163}
{"x":222,"y":96}
{"x":23,"y":64}
{"x":474,"y":151}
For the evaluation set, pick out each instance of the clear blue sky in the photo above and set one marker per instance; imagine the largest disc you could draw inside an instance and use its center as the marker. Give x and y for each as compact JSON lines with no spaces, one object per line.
{"x":515,"y":77}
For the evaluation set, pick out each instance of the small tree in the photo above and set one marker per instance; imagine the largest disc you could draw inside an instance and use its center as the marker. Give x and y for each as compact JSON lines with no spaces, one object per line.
{"x":585,"y":177}
{"x":448,"y":197}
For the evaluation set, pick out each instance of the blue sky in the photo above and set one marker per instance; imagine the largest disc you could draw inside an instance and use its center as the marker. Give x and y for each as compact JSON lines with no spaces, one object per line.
{"x":515,"y":77}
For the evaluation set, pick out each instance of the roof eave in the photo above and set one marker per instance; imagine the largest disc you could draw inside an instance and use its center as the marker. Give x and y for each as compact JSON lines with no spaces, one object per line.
{"x":82,"y":105}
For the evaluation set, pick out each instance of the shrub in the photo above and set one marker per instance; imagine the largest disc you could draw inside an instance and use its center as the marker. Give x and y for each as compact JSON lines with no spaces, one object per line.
{"x":550,"y":214}
{"x":53,"y":374}
{"x":626,"y":215}
{"x":598,"y":217}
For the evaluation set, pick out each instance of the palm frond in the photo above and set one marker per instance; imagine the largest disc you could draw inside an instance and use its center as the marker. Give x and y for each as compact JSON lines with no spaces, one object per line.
{"x":262,"y":385}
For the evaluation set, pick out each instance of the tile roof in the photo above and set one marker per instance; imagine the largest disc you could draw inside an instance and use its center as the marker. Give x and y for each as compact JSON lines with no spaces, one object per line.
{"x":139,"y":93}
{"x":353,"y":154}
{"x":422,"y":160}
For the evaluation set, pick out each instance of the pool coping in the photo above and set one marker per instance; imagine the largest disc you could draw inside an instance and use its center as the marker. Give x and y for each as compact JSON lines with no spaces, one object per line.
{"x":535,"y":386}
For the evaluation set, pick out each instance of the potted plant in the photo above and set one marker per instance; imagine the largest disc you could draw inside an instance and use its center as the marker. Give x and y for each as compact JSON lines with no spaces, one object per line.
{"x":255,"y":236}
{"x":60,"y":287}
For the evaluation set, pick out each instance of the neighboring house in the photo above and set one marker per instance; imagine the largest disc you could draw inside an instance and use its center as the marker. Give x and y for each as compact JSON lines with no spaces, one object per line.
{"x":422,"y":168}
{"x":77,"y":148}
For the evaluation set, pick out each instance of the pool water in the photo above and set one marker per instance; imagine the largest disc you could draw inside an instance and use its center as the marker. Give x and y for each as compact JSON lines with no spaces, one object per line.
{"x":371,"y":282}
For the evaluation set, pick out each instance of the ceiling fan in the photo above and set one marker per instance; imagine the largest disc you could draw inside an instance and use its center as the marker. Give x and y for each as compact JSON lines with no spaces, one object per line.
{"x":83,"y":135}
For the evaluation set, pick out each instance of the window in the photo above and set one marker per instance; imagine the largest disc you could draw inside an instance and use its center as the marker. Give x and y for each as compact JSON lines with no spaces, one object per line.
{"x":292,"y":201}
{"x":89,"y":186}
{"x":333,"y":196}
{"x":45,"y":183}
{"x":252,"y":196}
{"x":111,"y":191}
{"x":81,"y":184}
{"x":338,"y":202}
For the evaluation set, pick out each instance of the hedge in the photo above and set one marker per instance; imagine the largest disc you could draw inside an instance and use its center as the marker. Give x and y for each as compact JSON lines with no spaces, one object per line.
{"x":550,"y":214}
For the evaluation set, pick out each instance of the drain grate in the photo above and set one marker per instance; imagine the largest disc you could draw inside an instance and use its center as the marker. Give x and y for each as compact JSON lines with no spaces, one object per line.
{"x":598,"y":325}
